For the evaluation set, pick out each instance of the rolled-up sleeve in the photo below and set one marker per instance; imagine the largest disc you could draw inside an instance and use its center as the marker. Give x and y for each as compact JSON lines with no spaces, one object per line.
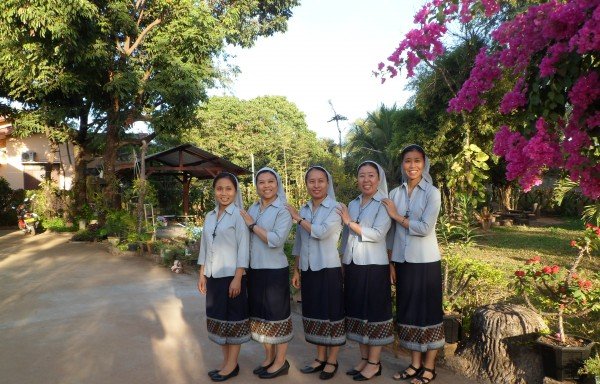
{"x":380,"y":227}
{"x":202,"y":253}
{"x":389,"y":238}
{"x":242,"y":235}
{"x":277,"y":236}
{"x":297,"y":242}
{"x":331,"y":225}
{"x":425,"y":225}
{"x":345,"y":234}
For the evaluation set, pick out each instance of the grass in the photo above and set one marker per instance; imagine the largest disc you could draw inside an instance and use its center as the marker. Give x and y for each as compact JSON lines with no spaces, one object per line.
{"x":507,"y":248}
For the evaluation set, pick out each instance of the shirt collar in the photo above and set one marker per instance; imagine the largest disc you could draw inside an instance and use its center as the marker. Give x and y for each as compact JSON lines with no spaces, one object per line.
{"x":327,"y":202}
{"x":377,"y":197}
{"x":229,"y":209}
{"x":276,"y":203}
{"x":422,"y":184}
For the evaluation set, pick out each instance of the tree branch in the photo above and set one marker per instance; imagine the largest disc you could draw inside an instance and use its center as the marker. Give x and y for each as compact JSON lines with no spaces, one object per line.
{"x":139,"y":39}
{"x":147,"y":139}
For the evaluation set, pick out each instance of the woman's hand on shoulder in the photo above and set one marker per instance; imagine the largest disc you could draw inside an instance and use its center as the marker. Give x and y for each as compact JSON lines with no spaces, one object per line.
{"x":246,"y":216}
{"x":342,"y":210}
{"x":390,"y":207}
{"x":293,"y":211}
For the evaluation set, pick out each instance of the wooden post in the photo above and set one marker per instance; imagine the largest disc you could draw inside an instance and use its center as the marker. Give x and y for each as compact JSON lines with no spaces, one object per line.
{"x":186,"y":193}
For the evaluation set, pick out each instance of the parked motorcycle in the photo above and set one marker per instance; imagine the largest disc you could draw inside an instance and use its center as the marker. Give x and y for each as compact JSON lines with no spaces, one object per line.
{"x":29,"y":222}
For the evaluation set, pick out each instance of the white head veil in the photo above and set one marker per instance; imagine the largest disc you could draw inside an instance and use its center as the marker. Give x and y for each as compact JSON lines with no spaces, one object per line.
{"x":330,"y":191}
{"x":426,"y":174}
{"x":382,"y":187}
{"x":280,"y":191}
{"x":238,"y":194}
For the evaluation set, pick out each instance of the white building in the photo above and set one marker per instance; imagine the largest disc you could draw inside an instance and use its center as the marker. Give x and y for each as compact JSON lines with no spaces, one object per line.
{"x":25,"y":162}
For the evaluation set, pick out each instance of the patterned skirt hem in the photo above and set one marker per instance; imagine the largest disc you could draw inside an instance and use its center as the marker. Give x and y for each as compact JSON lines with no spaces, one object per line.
{"x":324,"y":332}
{"x":370,"y":333}
{"x":271,"y":332}
{"x":421,"y":339}
{"x":369,"y":341}
{"x":228,"y":332}
{"x":218,"y":339}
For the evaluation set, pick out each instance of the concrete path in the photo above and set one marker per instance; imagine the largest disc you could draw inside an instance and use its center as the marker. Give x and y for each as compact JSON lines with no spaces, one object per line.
{"x":74,"y":313}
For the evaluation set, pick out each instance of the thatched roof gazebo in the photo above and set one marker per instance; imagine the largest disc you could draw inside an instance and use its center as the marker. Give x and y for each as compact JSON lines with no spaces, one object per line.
{"x":185,"y":162}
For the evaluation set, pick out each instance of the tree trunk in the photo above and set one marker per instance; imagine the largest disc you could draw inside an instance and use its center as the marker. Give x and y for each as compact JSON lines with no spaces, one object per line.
{"x":141,"y":218}
{"x":79,"y":178}
{"x":110,"y":158}
{"x":499,"y":348}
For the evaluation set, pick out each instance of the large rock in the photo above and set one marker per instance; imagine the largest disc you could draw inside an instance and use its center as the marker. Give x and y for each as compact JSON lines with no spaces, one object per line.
{"x":499,"y":349}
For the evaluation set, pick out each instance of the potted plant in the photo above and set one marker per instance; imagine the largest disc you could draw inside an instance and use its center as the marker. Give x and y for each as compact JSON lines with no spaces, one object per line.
{"x":558,"y":293}
{"x":591,"y":370}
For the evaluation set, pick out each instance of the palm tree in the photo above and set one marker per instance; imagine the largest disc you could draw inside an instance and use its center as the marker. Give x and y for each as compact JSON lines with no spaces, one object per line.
{"x":372,"y":139}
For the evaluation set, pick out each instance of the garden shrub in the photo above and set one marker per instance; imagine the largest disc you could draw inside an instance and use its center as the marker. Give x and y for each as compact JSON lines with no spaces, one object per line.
{"x":468,"y":282}
{"x":9,"y":198}
{"x":119,"y":223}
{"x":57,"y":224}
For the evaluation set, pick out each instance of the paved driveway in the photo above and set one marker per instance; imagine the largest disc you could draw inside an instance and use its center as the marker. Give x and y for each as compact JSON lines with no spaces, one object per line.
{"x":74,"y":313}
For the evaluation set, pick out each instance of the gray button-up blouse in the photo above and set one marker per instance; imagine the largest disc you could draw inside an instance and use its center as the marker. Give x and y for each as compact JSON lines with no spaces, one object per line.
{"x":277,"y":221}
{"x":374,"y":221}
{"x":418,"y":243}
{"x":225,"y":243}
{"x":318,"y":249}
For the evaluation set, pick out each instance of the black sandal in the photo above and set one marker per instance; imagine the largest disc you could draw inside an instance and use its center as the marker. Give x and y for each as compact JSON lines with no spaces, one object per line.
{"x":328,"y":375}
{"x":352,"y":372}
{"x":425,"y":380}
{"x":361,"y":377}
{"x":311,"y":369}
{"x":405,"y":375}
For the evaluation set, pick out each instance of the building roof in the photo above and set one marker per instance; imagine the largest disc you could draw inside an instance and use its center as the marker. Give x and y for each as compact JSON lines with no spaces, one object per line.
{"x":187,"y":159}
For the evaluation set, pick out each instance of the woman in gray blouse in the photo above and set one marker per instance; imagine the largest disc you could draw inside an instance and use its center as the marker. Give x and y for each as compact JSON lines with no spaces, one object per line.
{"x":224,"y":254}
{"x":414,"y":206}
{"x":367,"y":288}
{"x":318,"y":267}
{"x":268,"y":277}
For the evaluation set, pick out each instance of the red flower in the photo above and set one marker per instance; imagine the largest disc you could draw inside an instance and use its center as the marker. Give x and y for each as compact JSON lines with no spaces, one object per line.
{"x":538,"y":273}
{"x":575,"y":276}
{"x":555,"y":269}
{"x":519,"y":273}
{"x":547,"y":269}
{"x":534,"y":260}
{"x":588,"y":225}
{"x":585,"y":285}
{"x":598,"y":231}
{"x":573,"y":243}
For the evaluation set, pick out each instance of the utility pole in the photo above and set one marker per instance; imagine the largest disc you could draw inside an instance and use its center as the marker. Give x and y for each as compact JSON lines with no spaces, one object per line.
{"x":337,"y":118}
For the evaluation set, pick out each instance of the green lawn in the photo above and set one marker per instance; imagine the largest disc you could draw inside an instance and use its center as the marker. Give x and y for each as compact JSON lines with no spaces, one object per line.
{"x":507,"y":248}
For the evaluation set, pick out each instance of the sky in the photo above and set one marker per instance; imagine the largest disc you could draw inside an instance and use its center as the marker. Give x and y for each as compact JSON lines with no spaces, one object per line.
{"x":329,"y":52}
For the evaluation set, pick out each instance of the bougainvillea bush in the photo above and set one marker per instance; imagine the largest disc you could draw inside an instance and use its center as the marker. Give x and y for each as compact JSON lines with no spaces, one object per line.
{"x":557,"y":292}
{"x":551,"y":51}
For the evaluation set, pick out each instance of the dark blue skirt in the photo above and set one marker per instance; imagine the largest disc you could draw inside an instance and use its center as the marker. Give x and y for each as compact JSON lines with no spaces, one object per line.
{"x":323,"y":307}
{"x":419,"y":312}
{"x":368,"y":298}
{"x":269,"y":301}
{"x":226,"y":318}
